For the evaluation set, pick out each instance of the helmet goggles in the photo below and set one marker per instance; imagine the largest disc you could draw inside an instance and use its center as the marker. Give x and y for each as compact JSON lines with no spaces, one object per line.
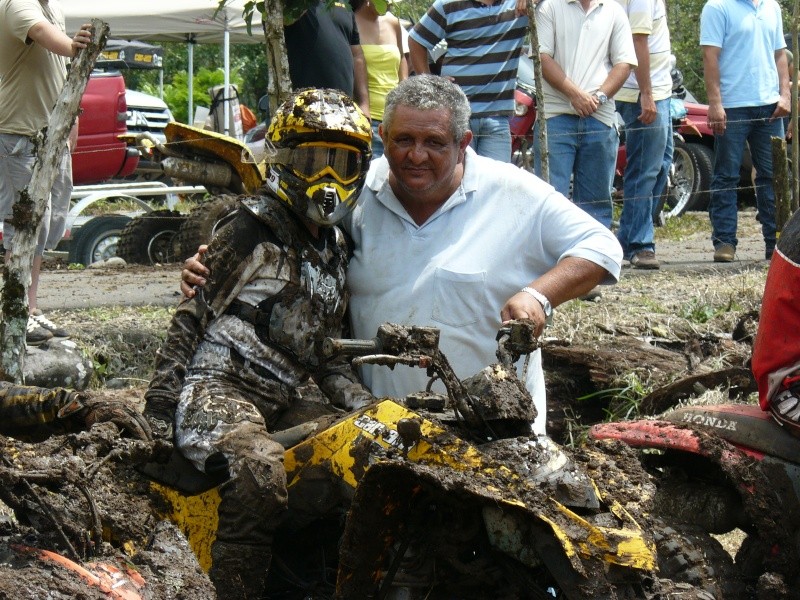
{"x":313,"y":160}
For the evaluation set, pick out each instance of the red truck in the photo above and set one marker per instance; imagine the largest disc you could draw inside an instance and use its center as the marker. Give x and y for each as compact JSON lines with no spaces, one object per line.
{"x":100,"y":155}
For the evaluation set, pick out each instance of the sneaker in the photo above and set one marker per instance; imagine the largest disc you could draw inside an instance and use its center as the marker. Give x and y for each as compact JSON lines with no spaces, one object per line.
{"x":645,"y":259}
{"x":591,"y":295}
{"x":785,"y":409}
{"x":725,"y":253}
{"x":47,"y":324}
{"x":35,"y":334}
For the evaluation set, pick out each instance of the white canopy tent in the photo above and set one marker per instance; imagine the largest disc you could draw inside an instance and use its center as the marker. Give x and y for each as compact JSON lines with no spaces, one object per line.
{"x":191,"y":21}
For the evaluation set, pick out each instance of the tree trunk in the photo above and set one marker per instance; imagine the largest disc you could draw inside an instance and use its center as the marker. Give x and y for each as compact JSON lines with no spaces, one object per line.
{"x":279,"y":85}
{"x":30,"y":206}
{"x":780,"y":183}
{"x":537,"y":78}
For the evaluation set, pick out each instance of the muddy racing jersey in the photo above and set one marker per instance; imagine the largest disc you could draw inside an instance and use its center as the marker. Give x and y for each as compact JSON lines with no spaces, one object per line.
{"x":273,"y":296}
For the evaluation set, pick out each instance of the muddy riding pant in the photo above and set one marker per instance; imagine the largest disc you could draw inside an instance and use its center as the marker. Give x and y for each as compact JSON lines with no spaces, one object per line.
{"x":221,"y":426}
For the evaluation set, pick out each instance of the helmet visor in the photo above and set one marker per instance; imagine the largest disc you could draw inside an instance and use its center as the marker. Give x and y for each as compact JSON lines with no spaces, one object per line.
{"x":314,"y":160}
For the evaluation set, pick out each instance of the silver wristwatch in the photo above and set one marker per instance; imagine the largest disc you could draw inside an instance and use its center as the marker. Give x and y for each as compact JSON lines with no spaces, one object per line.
{"x":601,"y":97}
{"x":541,"y":299}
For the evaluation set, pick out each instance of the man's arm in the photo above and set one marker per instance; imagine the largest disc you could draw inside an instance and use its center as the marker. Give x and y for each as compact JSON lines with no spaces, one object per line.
{"x":784,"y":107}
{"x":616,"y":77}
{"x":56,"y":41}
{"x":584,"y":103}
{"x":360,"y":80}
{"x":419,"y":57}
{"x":646,"y":102}
{"x":716,"y":117}
{"x":570,"y":278}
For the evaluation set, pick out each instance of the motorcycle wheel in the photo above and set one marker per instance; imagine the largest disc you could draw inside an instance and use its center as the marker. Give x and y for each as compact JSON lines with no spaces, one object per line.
{"x":202,"y":224}
{"x":148,"y":239}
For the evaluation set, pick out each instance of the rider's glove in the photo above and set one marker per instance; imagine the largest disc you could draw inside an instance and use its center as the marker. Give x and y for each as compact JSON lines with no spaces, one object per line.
{"x":89,"y":411}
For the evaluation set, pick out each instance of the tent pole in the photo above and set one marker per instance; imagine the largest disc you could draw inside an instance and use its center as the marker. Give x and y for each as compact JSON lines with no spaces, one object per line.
{"x":226,"y":44}
{"x":190,"y":39}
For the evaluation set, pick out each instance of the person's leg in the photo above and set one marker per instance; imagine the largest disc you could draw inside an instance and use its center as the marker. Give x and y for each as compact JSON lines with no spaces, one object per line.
{"x":760,"y":142}
{"x":594,"y":168}
{"x":562,"y":144}
{"x":220,"y":431}
{"x":493,"y":138}
{"x":728,"y":150}
{"x":645,"y":146}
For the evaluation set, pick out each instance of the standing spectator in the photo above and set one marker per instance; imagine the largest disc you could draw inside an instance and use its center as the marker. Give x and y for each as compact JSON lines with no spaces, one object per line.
{"x":587,"y":53}
{"x":33,"y":68}
{"x":382,"y":43}
{"x":643,"y":103}
{"x":324,"y":51}
{"x":484,"y":41}
{"x":747,"y":81}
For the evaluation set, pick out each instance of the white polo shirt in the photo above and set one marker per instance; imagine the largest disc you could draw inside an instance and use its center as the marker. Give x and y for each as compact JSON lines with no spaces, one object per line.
{"x":501,"y":229}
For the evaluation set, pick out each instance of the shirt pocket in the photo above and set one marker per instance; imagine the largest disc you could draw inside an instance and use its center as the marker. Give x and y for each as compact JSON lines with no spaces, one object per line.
{"x":458,"y":298}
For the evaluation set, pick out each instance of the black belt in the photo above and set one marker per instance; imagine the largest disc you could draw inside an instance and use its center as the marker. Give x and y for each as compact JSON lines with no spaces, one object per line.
{"x":249,"y":313}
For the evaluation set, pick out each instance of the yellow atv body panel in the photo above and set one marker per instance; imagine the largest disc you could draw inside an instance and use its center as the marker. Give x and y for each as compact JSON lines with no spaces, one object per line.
{"x":389,"y":431}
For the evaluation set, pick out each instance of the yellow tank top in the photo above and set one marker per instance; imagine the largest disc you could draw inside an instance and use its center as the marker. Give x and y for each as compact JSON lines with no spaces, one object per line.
{"x":383,"y":62}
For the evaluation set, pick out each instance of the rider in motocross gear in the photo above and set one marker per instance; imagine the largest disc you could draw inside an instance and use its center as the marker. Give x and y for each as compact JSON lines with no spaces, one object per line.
{"x":776,"y":351}
{"x":237,"y":351}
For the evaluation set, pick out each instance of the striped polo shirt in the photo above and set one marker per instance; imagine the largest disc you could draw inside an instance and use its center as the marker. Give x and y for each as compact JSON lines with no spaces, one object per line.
{"x":483,"y":49}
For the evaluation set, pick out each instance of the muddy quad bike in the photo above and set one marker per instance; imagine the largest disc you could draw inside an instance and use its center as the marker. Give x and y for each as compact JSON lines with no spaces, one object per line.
{"x":223,"y":165}
{"x":434,"y":496}
{"x":720,"y":468}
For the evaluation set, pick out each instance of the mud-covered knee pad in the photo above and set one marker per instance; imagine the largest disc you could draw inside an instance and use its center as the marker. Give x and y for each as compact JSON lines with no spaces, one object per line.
{"x":255,"y":498}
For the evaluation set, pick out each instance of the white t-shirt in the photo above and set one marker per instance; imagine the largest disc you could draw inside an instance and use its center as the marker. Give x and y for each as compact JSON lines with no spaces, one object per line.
{"x":500,"y":230}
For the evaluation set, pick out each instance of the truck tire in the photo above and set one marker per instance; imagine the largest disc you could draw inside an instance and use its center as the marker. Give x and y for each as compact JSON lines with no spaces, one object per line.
{"x":691,"y":180}
{"x":202,"y":223}
{"x":97,"y":240}
{"x":149,"y":239}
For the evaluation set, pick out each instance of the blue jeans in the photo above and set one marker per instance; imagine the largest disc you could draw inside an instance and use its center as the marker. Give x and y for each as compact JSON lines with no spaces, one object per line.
{"x":645,"y":146}
{"x":491,"y":137}
{"x":751,"y":125}
{"x":377,"y":142}
{"x":586,"y":150}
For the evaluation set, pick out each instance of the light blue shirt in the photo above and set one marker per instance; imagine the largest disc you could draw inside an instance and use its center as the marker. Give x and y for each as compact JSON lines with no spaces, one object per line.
{"x":501,"y":229}
{"x":749,"y":36}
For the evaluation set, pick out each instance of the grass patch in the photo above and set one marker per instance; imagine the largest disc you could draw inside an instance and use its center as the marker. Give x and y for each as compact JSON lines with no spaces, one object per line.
{"x":683,"y":227}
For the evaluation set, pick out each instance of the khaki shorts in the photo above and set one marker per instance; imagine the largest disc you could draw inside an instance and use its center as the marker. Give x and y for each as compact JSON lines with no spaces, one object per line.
{"x":16,"y":168}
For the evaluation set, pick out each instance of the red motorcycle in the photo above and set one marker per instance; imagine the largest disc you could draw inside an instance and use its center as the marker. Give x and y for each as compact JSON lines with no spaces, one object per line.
{"x":719,"y":468}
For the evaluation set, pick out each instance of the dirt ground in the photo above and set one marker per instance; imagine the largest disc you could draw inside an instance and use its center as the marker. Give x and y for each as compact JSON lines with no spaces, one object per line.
{"x":119,"y":317}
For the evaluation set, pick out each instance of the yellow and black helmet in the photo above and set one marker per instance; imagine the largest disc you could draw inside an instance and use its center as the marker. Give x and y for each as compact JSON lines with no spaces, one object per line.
{"x":320,"y":154}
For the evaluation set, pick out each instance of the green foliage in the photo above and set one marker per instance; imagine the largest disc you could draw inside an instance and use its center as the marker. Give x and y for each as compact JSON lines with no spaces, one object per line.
{"x":176,"y":94}
{"x":623,"y":402}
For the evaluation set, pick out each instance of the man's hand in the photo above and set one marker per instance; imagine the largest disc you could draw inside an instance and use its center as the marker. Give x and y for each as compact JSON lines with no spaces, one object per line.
{"x":98,"y":410}
{"x":81,"y":39}
{"x":524,"y":306}
{"x":585,"y":104}
{"x":194,"y":273}
{"x":648,"y":105}
{"x":716,"y":118}
{"x":783,"y":109}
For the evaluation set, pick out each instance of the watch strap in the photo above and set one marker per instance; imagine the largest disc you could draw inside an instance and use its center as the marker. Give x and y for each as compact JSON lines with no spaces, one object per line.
{"x":541,"y":299}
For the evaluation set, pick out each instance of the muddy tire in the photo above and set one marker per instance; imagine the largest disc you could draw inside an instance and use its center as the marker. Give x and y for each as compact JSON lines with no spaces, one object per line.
{"x":97,"y":240}
{"x":689,"y":555}
{"x":202,"y":223}
{"x":150,"y":238}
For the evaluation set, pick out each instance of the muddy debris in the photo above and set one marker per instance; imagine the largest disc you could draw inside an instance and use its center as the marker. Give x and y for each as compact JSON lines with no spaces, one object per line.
{"x":84,"y":521}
